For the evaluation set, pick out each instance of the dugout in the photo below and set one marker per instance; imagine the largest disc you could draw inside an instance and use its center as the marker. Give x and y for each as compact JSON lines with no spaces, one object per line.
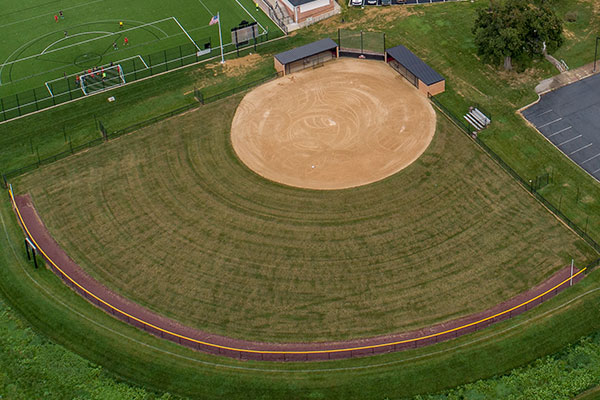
{"x":310,"y":55}
{"x":415,"y":70}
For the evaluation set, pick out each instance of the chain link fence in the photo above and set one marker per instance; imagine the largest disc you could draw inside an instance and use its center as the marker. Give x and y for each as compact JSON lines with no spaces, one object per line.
{"x":134,"y":68}
{"x":532,"y":185}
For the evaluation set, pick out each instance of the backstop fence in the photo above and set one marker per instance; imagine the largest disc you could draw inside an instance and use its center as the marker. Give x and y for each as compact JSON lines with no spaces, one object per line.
{"x":134,"y":68}
{"x":531,"y":185}
{"x":362,"y":44}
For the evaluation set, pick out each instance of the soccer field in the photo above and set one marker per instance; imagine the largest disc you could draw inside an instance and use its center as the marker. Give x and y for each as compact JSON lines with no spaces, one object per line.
{"x":41,"y":49}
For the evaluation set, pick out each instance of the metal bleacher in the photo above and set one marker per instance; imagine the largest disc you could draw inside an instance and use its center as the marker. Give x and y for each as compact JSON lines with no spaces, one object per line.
{"x":477,"y":119}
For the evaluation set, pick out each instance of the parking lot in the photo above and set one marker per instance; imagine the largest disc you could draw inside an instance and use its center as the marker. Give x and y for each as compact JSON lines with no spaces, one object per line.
{"x":570,"y":118}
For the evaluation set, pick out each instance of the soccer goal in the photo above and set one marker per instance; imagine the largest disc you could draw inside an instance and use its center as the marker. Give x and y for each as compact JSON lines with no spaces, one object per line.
{"x":101,"y":79}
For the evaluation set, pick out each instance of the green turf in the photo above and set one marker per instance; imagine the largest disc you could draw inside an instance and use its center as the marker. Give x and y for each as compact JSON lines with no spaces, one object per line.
{"x":440,"y":35}
{"x":57,"y":312}
{"x":36,"y":50}
{"x":171,"y":218}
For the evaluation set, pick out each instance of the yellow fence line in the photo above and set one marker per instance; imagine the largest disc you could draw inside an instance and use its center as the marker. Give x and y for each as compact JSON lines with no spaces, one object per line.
{"x":350,"y":349}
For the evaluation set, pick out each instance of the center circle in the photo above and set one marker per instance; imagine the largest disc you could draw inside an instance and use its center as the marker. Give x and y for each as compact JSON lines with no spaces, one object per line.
{"x":349,"y":123}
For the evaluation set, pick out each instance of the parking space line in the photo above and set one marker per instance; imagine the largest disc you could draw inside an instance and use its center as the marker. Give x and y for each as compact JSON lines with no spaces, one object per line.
{"x":570,"y":140}
{"x":581,"y":148}
{"x":591,"y":158}
{"x":561,"y":131}
{"x":596,"y":171}
{"x":551,"y":122}
{"x":544,"y":113}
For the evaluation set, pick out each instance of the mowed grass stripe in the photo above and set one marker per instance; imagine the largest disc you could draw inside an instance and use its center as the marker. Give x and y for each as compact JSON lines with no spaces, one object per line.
{"x":170,"y":218}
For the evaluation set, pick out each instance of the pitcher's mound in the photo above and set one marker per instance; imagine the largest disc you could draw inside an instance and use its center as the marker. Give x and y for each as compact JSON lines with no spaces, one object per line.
{"x":346,"y":124}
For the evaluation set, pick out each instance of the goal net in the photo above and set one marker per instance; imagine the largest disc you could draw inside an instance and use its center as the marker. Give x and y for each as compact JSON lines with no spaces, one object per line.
{"x":98,"y":79}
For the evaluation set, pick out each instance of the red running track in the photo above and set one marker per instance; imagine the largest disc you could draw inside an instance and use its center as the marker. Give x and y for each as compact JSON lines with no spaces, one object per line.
{"x":158,"y":325}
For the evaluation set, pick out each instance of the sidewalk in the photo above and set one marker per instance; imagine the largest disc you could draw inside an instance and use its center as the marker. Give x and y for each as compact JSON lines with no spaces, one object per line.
{"x":566,"y":78}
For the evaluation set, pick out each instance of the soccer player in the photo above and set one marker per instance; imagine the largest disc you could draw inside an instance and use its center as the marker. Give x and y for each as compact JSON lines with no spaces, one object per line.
{"x":56,"y":18}
{"x":120,"y":24}
{"x":77,"y":83}
{"x":256,"y":4}
{"x":66,"y":34}
{"x":115,"y":46}
{"x":125,"y":41}
{"x":60,"y":14}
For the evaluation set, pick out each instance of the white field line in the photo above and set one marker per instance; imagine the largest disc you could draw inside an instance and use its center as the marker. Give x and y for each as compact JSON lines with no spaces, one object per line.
{"x":51,"y":33}
{"x":143,"y":62}
{"x":86,"y":41}
{"x":133,"y":82}
{"x":204,"y":5}
{"x":49,"y":91}
{"x":251,"y":16}
{"x":49,"y":14}
{"x":103,"y":66}
{"x":70,"y":36}
{"x":186,"y":34}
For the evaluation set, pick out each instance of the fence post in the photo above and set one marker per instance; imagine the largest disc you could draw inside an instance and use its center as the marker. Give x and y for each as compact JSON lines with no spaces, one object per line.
{"x":5,"y":181}
{"x":18,"y":105}
{"x":69,"y":89}
{"x":37,"y":107}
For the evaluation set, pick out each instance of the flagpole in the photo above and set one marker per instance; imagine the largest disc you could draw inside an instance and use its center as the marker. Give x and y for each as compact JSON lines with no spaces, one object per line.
{"x":220,"y":38}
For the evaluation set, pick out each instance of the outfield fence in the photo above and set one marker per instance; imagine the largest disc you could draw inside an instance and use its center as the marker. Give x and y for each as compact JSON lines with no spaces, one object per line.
{"x":164,"y":328}
{"x":532,"y":185}
{"x":67,"y":88}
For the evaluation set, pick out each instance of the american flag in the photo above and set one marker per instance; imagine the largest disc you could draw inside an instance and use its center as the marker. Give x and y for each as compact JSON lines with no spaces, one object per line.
{"x":214,"y":20}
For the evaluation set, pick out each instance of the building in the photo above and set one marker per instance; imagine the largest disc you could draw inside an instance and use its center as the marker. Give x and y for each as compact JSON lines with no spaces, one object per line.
{"x":415,"y":70}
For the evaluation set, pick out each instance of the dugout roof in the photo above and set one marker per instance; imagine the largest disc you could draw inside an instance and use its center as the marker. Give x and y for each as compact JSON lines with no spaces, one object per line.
{"x":305,"y":51}
{"x":414,"y":65}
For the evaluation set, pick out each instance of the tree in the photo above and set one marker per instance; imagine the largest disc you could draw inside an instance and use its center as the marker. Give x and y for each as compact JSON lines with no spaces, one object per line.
{"x":516,"y":30}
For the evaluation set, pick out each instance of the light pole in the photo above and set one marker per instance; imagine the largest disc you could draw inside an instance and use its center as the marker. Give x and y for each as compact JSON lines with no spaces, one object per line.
{"x":596,"y":52}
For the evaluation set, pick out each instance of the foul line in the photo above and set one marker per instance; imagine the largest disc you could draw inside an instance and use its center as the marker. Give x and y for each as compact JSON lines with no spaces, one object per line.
{"x":216,"y":346}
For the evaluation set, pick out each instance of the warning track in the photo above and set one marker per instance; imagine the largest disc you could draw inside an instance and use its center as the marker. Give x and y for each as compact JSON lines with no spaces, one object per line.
{"x":166,"y":328}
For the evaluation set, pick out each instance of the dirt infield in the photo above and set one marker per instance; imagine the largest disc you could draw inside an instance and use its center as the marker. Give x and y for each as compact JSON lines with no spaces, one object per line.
{"x":346,"y":124}
{"x":163,"y":327}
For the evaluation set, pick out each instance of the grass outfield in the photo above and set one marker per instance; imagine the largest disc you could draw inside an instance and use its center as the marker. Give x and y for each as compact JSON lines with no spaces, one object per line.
{"x":441,"y":35}
{"x":35,"y":48}
{"x":170,"y":218}
{"x":134,"y":356}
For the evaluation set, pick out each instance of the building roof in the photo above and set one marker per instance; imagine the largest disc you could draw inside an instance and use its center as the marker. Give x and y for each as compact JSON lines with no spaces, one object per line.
{"x":306,"y":51}
{"x":300,"y":2}
{"x":415,"y":65}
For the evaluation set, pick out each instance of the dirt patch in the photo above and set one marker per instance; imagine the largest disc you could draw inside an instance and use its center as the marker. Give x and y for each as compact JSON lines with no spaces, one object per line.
{"x":347,"y":124}
{"x":237,"y":66}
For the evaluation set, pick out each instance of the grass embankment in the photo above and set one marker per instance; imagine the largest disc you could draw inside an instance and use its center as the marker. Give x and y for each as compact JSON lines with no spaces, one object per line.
{"x":170,"y":217}
{"x":156,"y":364}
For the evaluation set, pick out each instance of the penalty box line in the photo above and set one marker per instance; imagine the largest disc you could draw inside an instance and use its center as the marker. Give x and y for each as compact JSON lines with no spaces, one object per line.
{"x":101,"y":66}
{"x":86,"y":41}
